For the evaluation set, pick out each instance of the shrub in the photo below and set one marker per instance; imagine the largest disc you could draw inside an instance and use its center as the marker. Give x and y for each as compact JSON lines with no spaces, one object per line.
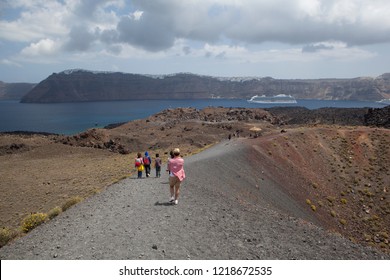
{"x":72,"y":201}
{"x":333,"y":213}
{"x":6,"y":235}
{"x":343,"y":222}
{"x":343,"y":201}
{"x":331,"y":199}
{"x":96,"y":191}
{"x":374,"y":218}
{"x":32,"y":221}
{"x":308,"y":201}
{"x":313,"y":207}
{"x":54,"y":212}
{"x":367,"y":237}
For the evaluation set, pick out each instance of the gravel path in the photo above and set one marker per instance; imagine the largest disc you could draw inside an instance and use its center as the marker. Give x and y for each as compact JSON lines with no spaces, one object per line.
{"x":224,"y":213}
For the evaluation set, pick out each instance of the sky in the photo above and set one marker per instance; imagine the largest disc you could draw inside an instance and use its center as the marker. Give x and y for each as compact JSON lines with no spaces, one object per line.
{"x":283,"y":39}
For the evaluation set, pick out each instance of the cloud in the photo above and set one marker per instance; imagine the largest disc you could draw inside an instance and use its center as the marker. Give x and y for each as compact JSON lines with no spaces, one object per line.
{"x":79,"y":39}
{"x":36,"y":20}
{"x":44,"y":47}
{"x":336,"y":51}
{"x":152,"y":32}
{"x":88,"y":9}
{"x":10,"y":63}
{"x":312,"y":48}
{"x":155,"y":25}
{"x":186,"y":50}
{"x":119,"y":27}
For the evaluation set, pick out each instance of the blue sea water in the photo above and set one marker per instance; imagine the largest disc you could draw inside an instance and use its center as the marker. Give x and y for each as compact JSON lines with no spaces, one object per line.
{"x":72,"y":118}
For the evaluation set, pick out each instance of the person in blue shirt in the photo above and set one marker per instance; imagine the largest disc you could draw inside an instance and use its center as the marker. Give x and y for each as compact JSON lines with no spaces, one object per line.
{"x":147,"y":162}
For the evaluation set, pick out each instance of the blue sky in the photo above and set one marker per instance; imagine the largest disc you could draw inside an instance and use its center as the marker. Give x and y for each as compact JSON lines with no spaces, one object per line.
{"x":277,"y":38}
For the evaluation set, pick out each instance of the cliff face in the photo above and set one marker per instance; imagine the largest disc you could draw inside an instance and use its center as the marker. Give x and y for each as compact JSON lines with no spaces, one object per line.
{"x":81,"y":85}
{"x":14,"y":91}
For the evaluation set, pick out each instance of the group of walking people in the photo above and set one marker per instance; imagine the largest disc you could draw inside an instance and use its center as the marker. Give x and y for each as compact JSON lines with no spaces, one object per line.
{"x":175,"y":168}
{"x":143,"y":163}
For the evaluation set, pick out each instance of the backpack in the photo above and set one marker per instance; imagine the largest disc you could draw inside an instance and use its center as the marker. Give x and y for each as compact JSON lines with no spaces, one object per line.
{"x":146,"y":161}
{"x":137,"y":163}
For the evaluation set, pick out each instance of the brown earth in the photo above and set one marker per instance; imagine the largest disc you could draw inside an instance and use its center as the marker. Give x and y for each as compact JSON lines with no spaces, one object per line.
{"x":341,"y":173}
{"x":40,"y":172}
{"x":338,"y":173}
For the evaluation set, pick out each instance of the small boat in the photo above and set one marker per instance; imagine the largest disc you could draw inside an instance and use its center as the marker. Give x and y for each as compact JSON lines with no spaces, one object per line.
{"x":280,"y":98}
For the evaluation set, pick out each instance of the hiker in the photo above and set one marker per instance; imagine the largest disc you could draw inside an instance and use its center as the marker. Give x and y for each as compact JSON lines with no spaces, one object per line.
{"x":157,"y":164}
{"x":176,"y":175}
{"x":147,"y":161}
{"x":139,"y":164}
{"x":169,"y":158}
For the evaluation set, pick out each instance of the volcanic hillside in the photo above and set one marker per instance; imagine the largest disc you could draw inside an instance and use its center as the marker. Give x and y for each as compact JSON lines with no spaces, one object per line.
{"x":338,"y":174}
{"x":341,"y":174}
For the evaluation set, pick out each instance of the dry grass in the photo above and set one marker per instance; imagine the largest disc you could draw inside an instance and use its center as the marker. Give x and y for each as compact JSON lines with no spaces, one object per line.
{"x":32,"y":221}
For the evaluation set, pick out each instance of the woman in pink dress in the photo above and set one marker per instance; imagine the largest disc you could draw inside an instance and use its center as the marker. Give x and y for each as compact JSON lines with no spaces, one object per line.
{"x":176,"y":175}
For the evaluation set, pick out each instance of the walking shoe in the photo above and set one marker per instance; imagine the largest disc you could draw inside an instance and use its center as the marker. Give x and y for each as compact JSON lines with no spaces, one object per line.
{"x":176,"y":202}
{"x":172,"y":200}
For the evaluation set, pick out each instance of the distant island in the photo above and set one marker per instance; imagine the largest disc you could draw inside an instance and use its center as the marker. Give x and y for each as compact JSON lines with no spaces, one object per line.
{"x":14,"y":91}
{"x":82,"y":85}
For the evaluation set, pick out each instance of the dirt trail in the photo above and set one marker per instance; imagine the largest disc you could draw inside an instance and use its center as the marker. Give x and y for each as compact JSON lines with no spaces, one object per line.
{"x":224,"y":213}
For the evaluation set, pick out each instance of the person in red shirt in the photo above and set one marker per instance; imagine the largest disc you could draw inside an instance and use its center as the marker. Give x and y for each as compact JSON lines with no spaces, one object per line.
{"x":139,"y":165}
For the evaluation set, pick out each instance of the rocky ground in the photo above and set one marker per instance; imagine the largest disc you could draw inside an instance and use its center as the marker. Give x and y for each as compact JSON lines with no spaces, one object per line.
{"x":333,"y":176}
{"x":227,"y":213}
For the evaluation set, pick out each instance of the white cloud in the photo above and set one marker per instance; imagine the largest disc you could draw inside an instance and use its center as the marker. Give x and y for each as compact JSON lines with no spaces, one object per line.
{"x":38,"y":19}
{"x":45,"y":47}
{"x":316,"y":52}
{"x":9,"y":62}
{"x":211,"y":31}
{"x":137,"y":15}
{"x":155,"y":25}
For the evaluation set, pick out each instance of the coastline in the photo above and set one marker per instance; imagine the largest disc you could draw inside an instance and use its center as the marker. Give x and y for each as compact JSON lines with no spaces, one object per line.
{"x":74,"y":118}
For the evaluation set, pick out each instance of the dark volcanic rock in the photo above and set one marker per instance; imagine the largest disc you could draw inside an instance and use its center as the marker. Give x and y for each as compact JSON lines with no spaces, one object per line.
{"x":81,"y":85}
{"x":302,"y":116}
{"x":341,"y":116}
{"x":378,"y":117}
{"x":13,"y":148}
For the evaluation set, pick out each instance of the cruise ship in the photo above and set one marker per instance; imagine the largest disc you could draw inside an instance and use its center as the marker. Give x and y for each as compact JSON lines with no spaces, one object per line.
{"x":384,"y":101}
{"x":280,"y":98}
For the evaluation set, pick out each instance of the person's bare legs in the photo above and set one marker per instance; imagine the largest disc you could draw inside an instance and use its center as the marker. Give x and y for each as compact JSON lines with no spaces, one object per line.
{"x":177,"y":191}
{"x":172,"y":188}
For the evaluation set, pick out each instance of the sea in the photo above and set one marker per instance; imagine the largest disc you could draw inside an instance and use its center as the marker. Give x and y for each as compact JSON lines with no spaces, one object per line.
{"x":72,"y":118}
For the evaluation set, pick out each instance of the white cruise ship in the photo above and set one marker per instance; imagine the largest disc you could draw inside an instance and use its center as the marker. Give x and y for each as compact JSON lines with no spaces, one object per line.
{"x":384,"y":101}
{"x":280,"y":98}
